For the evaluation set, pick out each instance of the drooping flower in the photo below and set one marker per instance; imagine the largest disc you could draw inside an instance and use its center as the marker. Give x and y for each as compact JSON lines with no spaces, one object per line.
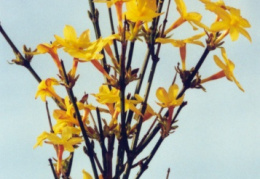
{"x":227,"y":70}
{"x":45,"y":88}
{"x":50,"y":49}
{"x":81,"y":47}
{"x":182,"y":45}
{"x":191,"y":17}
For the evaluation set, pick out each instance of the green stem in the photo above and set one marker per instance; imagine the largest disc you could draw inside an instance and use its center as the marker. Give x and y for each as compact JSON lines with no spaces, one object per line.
{"x":78,"y":116}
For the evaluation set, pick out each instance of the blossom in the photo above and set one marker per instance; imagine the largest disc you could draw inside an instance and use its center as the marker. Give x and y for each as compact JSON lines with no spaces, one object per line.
{"x":67,"y":118}
{"x":86,"y":175}
{"x":149,"y":112}
{"x":191,"y":17}
{"x":66,"y":139}
{"x":168,"y":99}
{"x":111,"y":98}
{"x":230,"y":21}
{"x":80,"y":47}
{"x":228,"y":68}
{"x":119,"y":5}
{"x":45,"y":88}
{"x":180,"y":43}
{"x":141,"y":10}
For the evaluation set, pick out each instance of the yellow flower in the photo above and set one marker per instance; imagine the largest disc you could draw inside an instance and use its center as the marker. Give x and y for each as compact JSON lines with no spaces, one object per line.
{"x":66,"y":139}
{"x":86,"y":175}
{"x":45,"y":88}
{"x":228,"y":67}
{"x":50,"y":49}
{"x":149,"y":112}
{"x":181,"y":43}
{"x":191,"y":17}
{"x":67,"y":118}
{"x":111,"y":98}
{"x":141,"y":10}
{"x":80,"y":47}
{"x":119,"y":5}
{"x":106,"y":95}
{"x":168,"y":99}
{"x":231,"y":22}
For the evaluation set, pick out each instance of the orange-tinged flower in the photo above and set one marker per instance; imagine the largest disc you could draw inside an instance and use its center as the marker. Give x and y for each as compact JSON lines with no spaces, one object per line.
{"x":50,"y":49}
{"x":119,"y":5}
{"x":80,"y":47}
{"x":168,"y":99}
{"x":45,"y":88}
{"x":149,"y":112}
{"x":227,"y":70}
{"x":191,"y":17}
{"x":228,"y":67}
{"x":182,"y":45}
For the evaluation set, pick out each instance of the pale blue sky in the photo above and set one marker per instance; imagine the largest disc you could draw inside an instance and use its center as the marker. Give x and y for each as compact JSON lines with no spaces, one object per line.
{"x":218,"y":134}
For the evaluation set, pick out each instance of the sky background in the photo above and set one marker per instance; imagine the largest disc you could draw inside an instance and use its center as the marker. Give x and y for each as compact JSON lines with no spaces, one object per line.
{"x":219,"y":130}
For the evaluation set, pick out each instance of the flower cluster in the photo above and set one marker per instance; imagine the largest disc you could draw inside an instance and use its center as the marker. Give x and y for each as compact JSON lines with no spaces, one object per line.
{"x":145,"y":22}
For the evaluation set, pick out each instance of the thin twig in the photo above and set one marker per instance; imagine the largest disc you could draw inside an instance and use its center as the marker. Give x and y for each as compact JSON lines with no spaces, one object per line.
{"x":102,"y":143}
{"x":24,"y":62}
{"x":49,"y":117}
{"x":168,"y":173}
{"x":78,"y":116}
{"x":52,"y":169}
{"x":187,"y":83}
{"x":123,"y":143}
{"x":113,"y":32}
{"x":157,"y":128}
